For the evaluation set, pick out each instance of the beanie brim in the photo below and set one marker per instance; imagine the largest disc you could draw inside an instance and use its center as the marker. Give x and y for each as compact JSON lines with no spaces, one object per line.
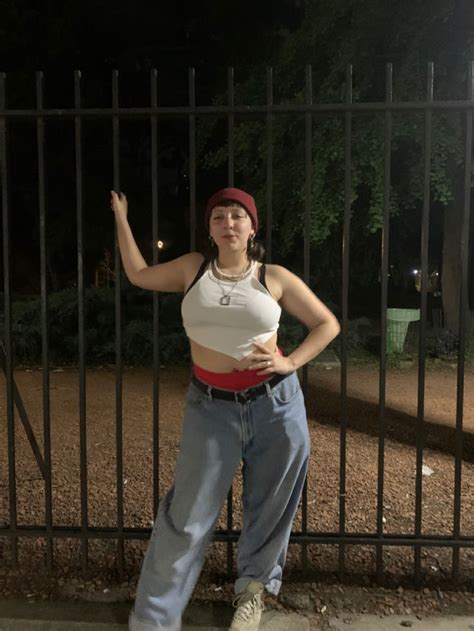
{"x":234,"y":195}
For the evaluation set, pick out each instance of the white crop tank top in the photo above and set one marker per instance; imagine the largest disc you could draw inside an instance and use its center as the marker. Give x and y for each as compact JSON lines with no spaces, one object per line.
{"x":252,"y":313}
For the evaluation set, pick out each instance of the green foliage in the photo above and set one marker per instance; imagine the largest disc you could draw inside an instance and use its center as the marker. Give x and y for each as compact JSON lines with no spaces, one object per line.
{"x":99,"y":318}
{"x":394,"y":360}
{"x":367,"y":35}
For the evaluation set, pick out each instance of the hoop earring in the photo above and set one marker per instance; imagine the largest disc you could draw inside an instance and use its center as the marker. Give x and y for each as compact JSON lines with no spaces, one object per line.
{"x":250,"y":243}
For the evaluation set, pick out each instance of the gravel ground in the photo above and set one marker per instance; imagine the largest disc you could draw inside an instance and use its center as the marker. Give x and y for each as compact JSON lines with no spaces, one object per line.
{"x":323,"y":597}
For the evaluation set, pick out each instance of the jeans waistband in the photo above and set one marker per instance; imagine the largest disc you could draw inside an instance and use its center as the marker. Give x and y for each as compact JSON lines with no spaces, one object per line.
{"x":240,"y":396}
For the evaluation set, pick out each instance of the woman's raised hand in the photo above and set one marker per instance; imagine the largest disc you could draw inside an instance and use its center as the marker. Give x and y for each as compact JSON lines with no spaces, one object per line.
{"x":119,"y":204}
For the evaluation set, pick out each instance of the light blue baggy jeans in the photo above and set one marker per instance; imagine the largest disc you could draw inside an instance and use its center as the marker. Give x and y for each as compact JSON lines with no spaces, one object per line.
{"x":270,"y":436}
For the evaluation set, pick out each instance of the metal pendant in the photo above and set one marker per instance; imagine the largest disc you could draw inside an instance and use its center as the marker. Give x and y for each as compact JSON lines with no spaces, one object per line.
{"x":225,"y":300}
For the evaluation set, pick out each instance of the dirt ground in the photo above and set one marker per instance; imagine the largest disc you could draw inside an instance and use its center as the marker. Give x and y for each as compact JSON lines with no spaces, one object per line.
{"x":323,"y":406}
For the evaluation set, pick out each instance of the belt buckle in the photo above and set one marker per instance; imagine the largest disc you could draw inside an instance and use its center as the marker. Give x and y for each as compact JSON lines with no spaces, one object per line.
{"x":244,"y":395}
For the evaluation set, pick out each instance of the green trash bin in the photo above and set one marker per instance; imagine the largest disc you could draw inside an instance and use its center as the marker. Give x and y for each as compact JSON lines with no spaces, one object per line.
{"x":397,"y":327}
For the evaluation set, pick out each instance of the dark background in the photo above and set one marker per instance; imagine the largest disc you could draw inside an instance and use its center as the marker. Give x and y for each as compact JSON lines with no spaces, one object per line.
{"x":96,"y":38}
{"x":209,"y":36}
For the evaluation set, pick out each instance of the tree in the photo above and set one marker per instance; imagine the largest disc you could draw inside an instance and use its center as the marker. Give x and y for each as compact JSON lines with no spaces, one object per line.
{"x":367,"y":35}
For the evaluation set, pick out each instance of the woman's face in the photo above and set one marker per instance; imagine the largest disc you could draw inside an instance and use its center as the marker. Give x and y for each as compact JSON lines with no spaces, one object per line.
{"x":230,"y":227}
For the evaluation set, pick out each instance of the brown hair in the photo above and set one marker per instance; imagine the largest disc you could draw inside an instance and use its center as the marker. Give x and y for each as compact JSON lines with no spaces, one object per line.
{"x":255,"y":249}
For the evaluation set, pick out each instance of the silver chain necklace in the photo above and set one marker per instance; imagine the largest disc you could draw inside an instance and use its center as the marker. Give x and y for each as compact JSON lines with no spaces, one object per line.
{"x":225,"y":299}
{"x":231,"y":276}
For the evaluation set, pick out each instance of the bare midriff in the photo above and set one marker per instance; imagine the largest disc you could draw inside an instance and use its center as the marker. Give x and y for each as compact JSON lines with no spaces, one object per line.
{"x":219,"y":362}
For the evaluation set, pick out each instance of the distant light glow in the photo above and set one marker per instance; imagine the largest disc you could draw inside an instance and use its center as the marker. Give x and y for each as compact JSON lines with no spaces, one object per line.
{"x":159,"y":245}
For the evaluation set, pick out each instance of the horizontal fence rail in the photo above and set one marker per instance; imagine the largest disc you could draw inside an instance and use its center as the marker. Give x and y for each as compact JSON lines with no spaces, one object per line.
{"x":201,"y":110}
{"x":267,"y":113}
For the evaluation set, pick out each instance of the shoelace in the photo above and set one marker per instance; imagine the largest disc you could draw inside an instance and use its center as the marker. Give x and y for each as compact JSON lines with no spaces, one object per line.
{"x":247,"y":605}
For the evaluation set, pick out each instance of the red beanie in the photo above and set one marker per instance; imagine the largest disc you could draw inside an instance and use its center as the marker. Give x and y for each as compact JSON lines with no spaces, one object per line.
{"x":234,"y":195}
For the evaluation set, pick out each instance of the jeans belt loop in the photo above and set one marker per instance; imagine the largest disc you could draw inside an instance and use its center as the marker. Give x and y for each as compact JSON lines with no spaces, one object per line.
{"x":242,"y":397}
{"x":268,"y":388}
{"x":209,"y":392}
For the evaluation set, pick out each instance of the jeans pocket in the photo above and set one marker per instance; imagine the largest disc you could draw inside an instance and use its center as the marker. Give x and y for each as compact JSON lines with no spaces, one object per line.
{"x":287,"y":390}
{"x":194,"y":396}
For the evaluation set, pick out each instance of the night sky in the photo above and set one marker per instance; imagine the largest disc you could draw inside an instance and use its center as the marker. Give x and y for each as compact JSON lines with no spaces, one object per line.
{"x":96,"y":37}
{"x":140,"y":35}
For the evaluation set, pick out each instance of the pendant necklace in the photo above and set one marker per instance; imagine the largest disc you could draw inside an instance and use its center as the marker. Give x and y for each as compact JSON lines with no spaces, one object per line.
{"x":225,"y":298}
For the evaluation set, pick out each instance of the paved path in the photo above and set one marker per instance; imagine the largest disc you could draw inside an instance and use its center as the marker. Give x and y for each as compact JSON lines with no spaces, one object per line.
{"x":398,"y":623}
{"x":18,"y":615}
{"x":74,"y":616}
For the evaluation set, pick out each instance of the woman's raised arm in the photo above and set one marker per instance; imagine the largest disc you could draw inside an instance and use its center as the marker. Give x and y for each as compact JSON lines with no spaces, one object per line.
{"x":170,"y":276}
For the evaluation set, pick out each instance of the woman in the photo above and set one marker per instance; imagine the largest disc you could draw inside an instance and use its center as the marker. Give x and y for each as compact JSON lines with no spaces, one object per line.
{"x":244,"y":404}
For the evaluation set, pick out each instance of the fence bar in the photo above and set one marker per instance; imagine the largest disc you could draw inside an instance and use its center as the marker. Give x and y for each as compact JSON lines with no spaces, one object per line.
{"x":385,"y":240}
{"x":463,"y":314}
{"x":81,"y":327}
{"x":384,"y":291}
{"x":44,"y":323}
{"x":422,"y":346}
{"x":118,"y":341}
{"x":212,"y":110}
{"x":11,"y":531}
{"x":192,"y":160}
{"x":269,"y":187}
{"x":230,"y":182}
{"x":306,"y":268}
{"x":345,"y":320}
{"x":18,"y":402}
{"x":156,"y":296}
{"x":329,"y":538}
{"x":230,"y":127}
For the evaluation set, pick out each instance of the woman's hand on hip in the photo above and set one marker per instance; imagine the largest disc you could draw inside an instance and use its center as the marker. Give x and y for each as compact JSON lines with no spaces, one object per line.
{"x":119,"y":204}
{"x":268,"y":362}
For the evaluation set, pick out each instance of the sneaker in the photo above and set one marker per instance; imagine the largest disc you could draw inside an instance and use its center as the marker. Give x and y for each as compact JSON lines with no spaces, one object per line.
{"x":249,"y":606}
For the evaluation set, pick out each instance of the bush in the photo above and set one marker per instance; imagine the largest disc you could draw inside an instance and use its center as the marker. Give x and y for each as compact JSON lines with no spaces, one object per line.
{"x":99,"y":322}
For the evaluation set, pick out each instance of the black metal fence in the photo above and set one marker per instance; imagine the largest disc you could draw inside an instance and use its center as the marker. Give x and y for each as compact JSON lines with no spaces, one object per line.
{"x":268,"y":112}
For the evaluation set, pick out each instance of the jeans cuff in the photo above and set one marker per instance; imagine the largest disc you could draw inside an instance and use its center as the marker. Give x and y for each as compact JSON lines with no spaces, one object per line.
{"x":272,"y":586}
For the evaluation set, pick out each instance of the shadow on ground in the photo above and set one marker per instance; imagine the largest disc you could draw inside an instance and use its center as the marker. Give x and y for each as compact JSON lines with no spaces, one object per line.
{"x":324,"y":405}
